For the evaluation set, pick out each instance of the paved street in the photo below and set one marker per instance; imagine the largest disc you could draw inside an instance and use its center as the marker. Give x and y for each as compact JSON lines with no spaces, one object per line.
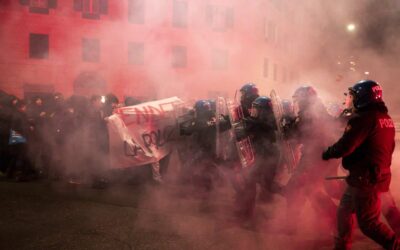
{"x":57,"y":215}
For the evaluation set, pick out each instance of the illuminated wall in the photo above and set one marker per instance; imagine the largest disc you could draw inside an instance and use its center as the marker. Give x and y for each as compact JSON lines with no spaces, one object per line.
{"x":146,"y":48}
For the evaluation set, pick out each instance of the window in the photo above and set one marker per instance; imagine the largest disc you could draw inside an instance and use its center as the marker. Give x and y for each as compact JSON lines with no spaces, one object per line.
{"x":90,"y":50}
{"x":270,"y":31}
{"x":220,"y":59}
{"x":219,"y":18}
{"x":136,"y":10}
{"x":275,"y":72}
{"x":179,"y":18}
{"x":179,"y":56}
{"x":38,"y":46}
{"x":229,"y":18}
{"x":266,"y":68}
{"x":39,"y":6}
{"x":136,"y":53}
{"x":91,"y":9}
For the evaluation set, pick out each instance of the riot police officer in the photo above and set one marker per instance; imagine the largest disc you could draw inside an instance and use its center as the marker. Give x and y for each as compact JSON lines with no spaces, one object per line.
{"x":366,"y":149}
{"x":248,"y":93}
{"x":261,"y":128}
{"x":200,"y":164}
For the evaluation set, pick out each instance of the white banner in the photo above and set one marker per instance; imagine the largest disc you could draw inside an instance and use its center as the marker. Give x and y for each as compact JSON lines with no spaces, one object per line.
{"x":143,"y":133}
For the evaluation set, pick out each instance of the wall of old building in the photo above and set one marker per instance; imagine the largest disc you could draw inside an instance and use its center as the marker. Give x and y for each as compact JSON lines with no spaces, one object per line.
{"x":193,"y":49}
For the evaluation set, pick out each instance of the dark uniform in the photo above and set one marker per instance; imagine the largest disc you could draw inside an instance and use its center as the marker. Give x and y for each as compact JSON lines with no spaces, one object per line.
{"x":20,"y":164}
{"x":248,"y":93}
{"x":200,"y":166}
{"x":366,"y":146}
{"x":389,"y":208}
{"x":261,"y":128}
{"x":7,"y":111}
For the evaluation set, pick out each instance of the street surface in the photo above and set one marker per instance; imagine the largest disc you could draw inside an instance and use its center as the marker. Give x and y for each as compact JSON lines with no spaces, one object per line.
{"x":58,"y":215}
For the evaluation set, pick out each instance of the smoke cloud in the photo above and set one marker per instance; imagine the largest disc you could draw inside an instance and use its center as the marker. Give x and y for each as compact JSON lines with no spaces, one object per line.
{"x":203,"y":49}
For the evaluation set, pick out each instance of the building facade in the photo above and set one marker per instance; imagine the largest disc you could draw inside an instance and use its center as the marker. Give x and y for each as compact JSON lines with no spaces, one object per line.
{"x":148,"y":48}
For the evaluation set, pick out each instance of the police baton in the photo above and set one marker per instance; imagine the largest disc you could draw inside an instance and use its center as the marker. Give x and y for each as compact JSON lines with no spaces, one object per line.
{"x":329,"y":178}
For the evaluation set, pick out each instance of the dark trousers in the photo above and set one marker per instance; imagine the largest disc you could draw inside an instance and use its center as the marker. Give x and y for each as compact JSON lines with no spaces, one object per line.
{"x":19,"y":161}
{"x":245,"y":185}
{"x":366,"y":205}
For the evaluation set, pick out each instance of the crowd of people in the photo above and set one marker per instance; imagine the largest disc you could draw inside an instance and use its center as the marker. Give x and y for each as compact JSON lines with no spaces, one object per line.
{"x":55,"y":137}
{"x":308,"y":137}
{"x":61,"y":137}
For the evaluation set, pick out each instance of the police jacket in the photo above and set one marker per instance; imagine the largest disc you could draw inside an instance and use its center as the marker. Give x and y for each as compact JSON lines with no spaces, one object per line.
{"x":262,"y":135}
{"x":367,"y":146}
{"x":204,"y":132}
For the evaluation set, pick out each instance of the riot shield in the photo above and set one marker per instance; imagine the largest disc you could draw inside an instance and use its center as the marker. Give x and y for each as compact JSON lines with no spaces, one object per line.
{"x":243,"y":145}
{"x":287,"y":155}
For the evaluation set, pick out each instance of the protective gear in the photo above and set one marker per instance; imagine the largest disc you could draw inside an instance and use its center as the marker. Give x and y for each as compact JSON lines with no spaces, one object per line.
{"x":305,"y":92}
{"x":249,"y":92}
{"x":304,"y":97}
{"x":367,"y":144}
{"x":202,"y":106}
{"x":261,"y":129}
{"x":249,"y":89}
{"x":203,"y":110}
{"x":261,"y":107}
{"x":366,"y":92}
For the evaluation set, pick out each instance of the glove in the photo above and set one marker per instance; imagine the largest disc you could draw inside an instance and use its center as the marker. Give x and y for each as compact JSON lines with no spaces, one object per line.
{"x":325,"y":155}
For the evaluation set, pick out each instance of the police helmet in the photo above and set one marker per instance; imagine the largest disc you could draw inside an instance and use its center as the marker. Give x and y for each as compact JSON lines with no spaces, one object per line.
{"x":249,"y":92}
{"x":202,"y":105}
{"x":261,"y":107}
{"x":366,"y":92}
{"x":304,"y":96}
{"x":262,"y":102}
{"x":305,"y":92}
{"x":203,"y":110}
